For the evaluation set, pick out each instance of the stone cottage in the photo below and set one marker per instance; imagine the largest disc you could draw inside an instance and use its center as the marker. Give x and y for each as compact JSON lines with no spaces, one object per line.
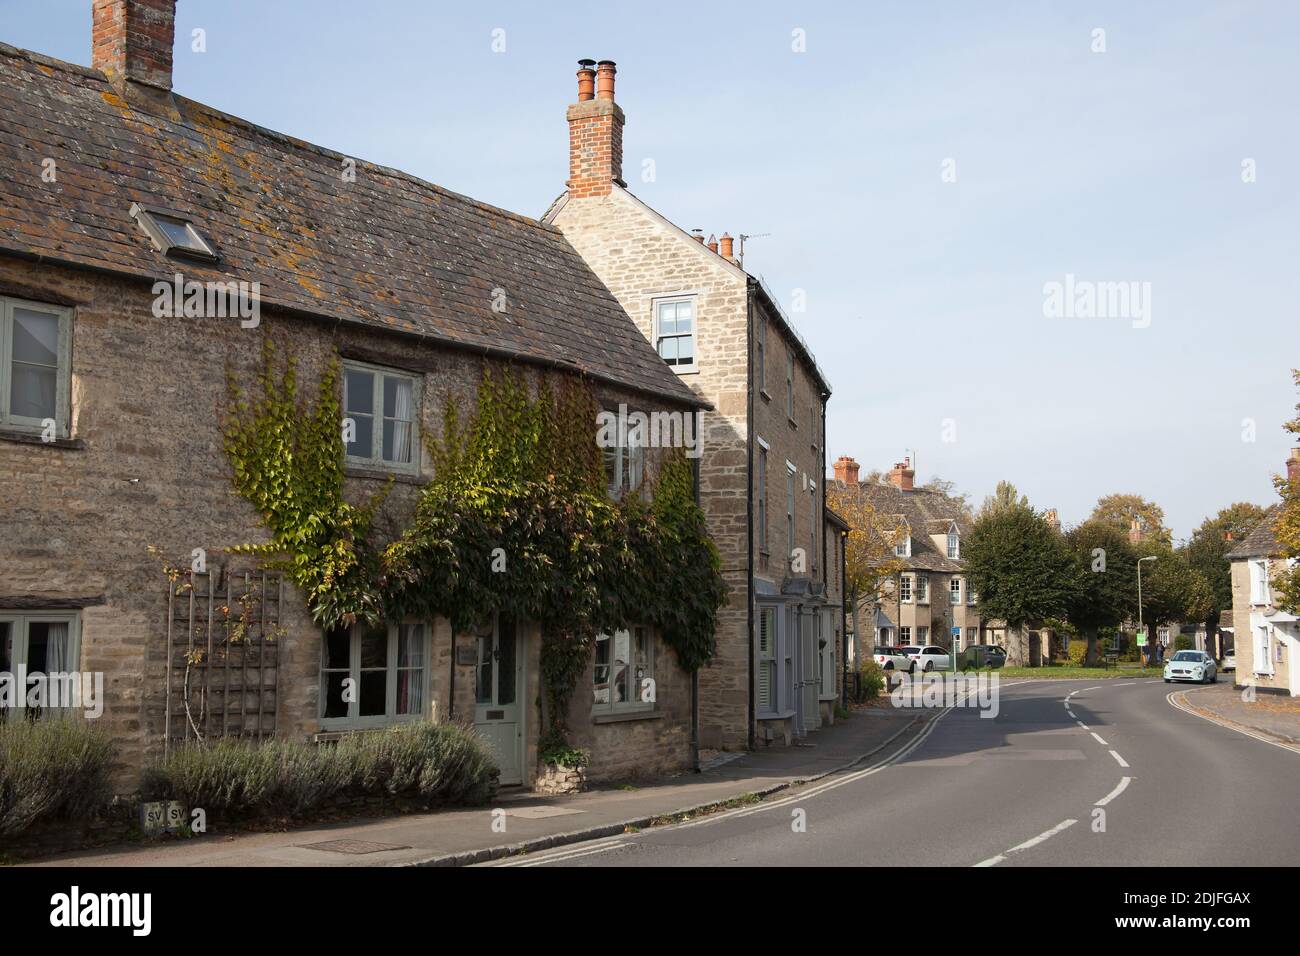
{"x":118,"y":198}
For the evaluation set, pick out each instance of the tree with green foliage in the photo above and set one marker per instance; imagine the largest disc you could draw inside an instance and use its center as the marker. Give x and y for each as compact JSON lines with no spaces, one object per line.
{"x":1172,"y":591}
{"x":1121,"y":510}
{"x":1286,"y":530}
{"x":1021,"y":568}
{"x":1004,"y":498}
{"x":1105,"y":593}
{"x":1207,"y":552}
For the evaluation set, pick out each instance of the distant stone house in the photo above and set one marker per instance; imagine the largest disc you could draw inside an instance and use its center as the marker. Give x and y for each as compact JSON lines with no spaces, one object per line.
{"x":929,"y":601}
{"x":110,"y":425}
{"x":763,"y":444}
{"x":1266,"y":638}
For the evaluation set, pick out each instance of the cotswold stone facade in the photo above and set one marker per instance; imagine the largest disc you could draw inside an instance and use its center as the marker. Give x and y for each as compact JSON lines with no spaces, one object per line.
{"x":762,"y":438}
{"x":930,"y":600}
{"x":1266,"y":638}
{"x":111,"y":454}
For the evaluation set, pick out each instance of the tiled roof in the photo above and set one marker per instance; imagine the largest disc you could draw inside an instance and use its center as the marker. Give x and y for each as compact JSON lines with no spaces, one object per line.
{"x":927,"y":512}
{"x":387,"y":249}
{"x":1260,"y":543}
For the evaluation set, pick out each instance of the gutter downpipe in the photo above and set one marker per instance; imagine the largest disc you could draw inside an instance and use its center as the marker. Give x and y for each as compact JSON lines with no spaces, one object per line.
{"x":749,"y":505}
{"x":695,"y":674}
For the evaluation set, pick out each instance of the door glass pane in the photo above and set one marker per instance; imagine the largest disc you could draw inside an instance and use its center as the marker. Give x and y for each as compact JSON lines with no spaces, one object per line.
{"x":506,"y":664}
{"x":483,"y":672}
{"x":36,"y":337}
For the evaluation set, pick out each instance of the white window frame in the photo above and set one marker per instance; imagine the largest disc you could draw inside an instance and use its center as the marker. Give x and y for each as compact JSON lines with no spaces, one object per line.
{"x":637,"y":678}
{"x":971,"y":597}
{"x":904,"y":589}
{"x":20,"y":623}
{"x":954,"y":590}
{"x":904,"y":635}
{"x":922,"y":635}
{"x":954,"y":545}
{"x":763,"y":451}
{"x":827,"y":657}
{"x":628,"y":475}
{"x":376,"y":459}
{"x":1263,"y":641}
{"x":923,"y":589}
{"x":63,"y":374}
{"x":903,"y":549}
{"x":813,"y":563}
{"x":354,"y":720}
{"x":1260,"y":592}
{"x":694,"y":335}
{"x":973,"y":636}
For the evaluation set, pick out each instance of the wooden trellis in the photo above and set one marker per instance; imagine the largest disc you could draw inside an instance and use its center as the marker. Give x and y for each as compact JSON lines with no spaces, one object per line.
{"x":223,"y":654}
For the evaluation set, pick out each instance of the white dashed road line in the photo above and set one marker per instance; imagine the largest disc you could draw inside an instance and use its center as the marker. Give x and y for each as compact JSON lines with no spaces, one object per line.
{"x":1123,"y":785}
{"x":1097,"y":737}
{"x":1118,"y":759}
{"x":1028,"y":844}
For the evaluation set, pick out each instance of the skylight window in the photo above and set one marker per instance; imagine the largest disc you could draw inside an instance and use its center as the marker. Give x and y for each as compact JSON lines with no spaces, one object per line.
{"x":172,"y":232}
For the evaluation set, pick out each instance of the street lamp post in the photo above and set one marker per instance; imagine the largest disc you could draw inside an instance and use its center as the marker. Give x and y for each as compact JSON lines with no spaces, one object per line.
{"x":1150,"y":557}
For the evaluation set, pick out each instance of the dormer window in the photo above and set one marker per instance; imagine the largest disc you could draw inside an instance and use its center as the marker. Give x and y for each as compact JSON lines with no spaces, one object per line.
{"x":954,"y":544}
{"x":903,"y":549}
{"x":172,"y":232}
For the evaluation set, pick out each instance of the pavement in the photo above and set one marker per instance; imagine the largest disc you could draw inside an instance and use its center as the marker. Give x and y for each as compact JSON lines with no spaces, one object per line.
{"x":521,"y":821}
{"x":1272,"y":715}
{"x":1068,"y":773}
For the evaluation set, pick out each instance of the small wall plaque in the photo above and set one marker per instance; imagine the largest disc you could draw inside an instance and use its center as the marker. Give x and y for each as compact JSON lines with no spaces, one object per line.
{"x":466,"y":654}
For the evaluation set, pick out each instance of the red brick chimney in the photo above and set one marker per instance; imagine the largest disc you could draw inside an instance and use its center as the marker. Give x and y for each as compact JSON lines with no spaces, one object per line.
{"x":133,"y":40}
{"x":1135,"y":531}
{"x":724,"y":247}
{"x":1053,"y":519}
{"x":902,"y":475}
{"x":595,"y":133}
{"x":846,"y":470}
{"x":1293,"y":466}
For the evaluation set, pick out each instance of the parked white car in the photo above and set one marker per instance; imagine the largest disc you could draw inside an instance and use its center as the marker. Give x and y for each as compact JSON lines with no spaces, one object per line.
{"x":1191,"y":665}
{"x":931,"y":657}
{"x":1229,"y":661}
{"x":893,"y":659}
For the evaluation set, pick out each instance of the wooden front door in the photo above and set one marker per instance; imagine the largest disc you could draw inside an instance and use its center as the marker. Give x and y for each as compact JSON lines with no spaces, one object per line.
{"x":498,"y":688}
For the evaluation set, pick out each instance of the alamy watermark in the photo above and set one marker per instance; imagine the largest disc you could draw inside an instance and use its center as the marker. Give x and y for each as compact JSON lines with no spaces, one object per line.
{"x":191,"y":299}
{"x":57,"y":690}
{"x":979,"y":691}
{"x":624,"y":429}
{"x":1087,"y":299}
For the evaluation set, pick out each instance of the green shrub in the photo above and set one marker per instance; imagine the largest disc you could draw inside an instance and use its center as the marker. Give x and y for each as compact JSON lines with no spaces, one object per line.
{"x":51,"y":769}
{"x":1183,"y":642}
{"x":1078,"y":651}
{"x":435,"y":763}
{"x":565,"y":757}
{"x":873,"y":680}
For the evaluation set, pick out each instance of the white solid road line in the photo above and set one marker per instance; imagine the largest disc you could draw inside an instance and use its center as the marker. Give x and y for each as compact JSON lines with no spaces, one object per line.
{"x":1172,"y":696}
{"x":1097,"y":736}
{"x":1086,"y":689}
{"x":1082,"y":724}
{"x":1118,"y":759}
{"x":1028,"y":844}
{"x":567,"y":853}
{"x":1123,"y":785}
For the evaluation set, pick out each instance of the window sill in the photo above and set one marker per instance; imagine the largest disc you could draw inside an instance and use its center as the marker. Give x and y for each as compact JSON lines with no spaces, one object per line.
{"x":34,"y":438}
{"x":383,"y":474}
{"x":685,"y":371}
{"x":793,"y":424}
{"x":775,"y":715}
{"x":764,"y":395}
{"x":626,"y":718}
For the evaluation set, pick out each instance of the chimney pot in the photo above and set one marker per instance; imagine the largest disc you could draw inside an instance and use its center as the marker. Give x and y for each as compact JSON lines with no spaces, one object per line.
{"x":133,"y":40}
{"x":712,"y":243}
{"x":725,"y":248}
{"x":605,"y":71}
{"x":902,"y":476}
{"x":586,"y":80}
{"x":698,"y":235}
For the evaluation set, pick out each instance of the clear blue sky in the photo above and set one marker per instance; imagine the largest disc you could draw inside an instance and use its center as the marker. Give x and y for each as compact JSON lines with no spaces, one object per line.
{"x":924,"y":298}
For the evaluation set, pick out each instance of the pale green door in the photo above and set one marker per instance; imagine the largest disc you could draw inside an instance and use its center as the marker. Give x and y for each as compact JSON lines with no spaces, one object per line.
{"x":498,"y":686}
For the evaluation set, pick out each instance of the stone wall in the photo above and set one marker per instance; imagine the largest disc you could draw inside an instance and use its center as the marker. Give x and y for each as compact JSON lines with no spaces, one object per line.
{"x":145,"y":466}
